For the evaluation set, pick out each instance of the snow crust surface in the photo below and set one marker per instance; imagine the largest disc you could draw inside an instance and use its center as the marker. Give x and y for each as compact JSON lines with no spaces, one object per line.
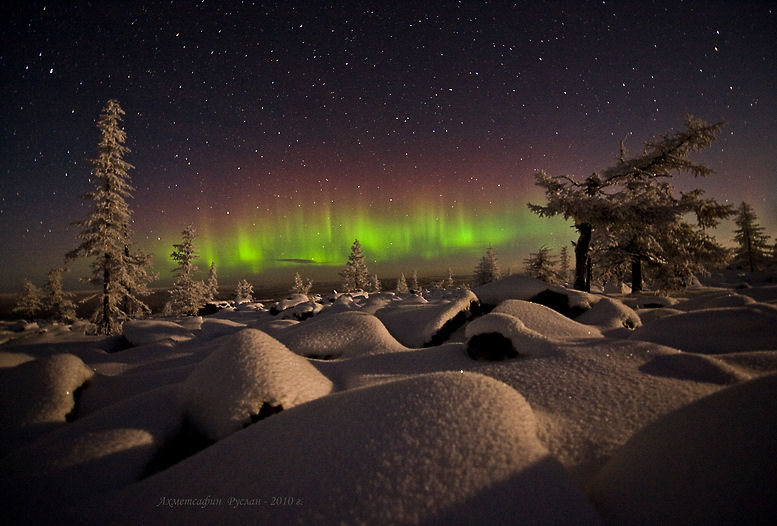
{"x":670,"y":421}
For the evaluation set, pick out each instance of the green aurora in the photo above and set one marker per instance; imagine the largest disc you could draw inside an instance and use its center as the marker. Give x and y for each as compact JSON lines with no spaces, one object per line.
{"x":430,"y":237}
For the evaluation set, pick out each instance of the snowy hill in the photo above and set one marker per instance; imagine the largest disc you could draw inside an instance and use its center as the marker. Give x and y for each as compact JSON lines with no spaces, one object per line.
{"x":640,"y":410}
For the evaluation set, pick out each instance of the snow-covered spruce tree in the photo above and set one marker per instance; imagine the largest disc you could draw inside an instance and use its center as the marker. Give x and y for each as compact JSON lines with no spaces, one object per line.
{"x":752,"y":244}
{"x":300,"y":286}
{"x":487,"y":270}
{"x":106,"y":236}
{"x":355,"y":275}
{"x":374,"y":283}
{"x":187,"y":296}
{"x":29,"y":301}
{"x":541,"y":265}
{"x":449,"y":281}
{"x":402,"y":284}
{"x":564,"y":265}
{"x":60,"y":303}
{"x":212,"y":283}
{"x":414,"y":286}
{"x":244,"y":292}
{"x":591,"y":202}
{"x":651,"y":229}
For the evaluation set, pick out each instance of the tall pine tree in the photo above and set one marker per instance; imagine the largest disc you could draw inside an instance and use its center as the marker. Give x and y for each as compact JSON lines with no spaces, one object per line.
{"x":212,"y":283}
{"x":487,"y":270}
{"x":542,"y":265}
{"x":106,"y":236}
{"x":625,"y":197}
{"x":29,"y":301}
{"x":187,"y":295}
{"x":355,"y":275}
{"x":60,"y":303}
{"x":752,"y":244}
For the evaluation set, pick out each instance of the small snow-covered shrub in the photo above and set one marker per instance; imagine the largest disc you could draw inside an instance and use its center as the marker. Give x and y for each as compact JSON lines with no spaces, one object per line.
{"x":248,"y":370}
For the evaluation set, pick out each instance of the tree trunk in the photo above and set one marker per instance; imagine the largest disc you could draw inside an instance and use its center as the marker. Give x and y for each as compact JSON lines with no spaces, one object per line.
{"x":636,"y":274}
{"x":105,"y":322}
{"x":583,"y":257}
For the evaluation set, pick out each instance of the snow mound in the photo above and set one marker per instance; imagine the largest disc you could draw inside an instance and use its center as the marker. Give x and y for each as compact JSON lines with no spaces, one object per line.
{"x":417,"y":322}
{"x":41,"y":391}
{"x":249,"y":369}
{"x":519,"y":287}
{"x":714,"y":299}
{"x":649,"y":315}
{"x":696,"y":367}
{"x":444,"y":448}
{"x":143,"y":332}
{"x":12,"y":359}
{"x":341,"y":335}
{"x":715,"y":331}
{"x":215,"y":327}
{"x":525,"y":341}
{"x":711,"y":462}
{"x":609,"y":313}
{"x":545,"y":320}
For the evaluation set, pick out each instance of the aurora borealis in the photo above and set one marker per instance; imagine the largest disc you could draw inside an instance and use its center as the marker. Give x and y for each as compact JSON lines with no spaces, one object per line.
{"x":322,"y":235}
{"x":284,"y":130}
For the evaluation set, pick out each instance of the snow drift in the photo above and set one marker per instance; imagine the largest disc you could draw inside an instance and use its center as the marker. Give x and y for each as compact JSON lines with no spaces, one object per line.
{"x":448,"y":448}
{"x":662,"y":475}
{"x":249,"y":369}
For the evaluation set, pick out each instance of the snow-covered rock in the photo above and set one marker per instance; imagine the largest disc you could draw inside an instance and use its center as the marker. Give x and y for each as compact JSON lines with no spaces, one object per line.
{"x":616,"y":287}
{"x":288,"y":303}
{"x":215,"y":327}
{"x":520,"y":287}
{"x":41,"y":391}
{"x":341,"y":335}
{"x":143,"y":332}
{"x":713,"y":331}
{"x":415,"y":321}
{"x":248,"y":370}
{"x":608,"y":314}
{"x":525,"y":341}
{"x":546,"y":321}
{"x":711,"y":462}
{"x":445,"y":448}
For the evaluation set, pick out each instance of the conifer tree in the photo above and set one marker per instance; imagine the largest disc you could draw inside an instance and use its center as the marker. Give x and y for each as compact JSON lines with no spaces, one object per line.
{"x":212,"y":283}
{"x":29,"y":301}
{"x":187,"y":295}
{"x":244,"y":292}
{"x":753,"y":244}
{"x":402,"y":284}
{"x":487,"y":270}
{"x":106,"y":235}
{"x":449,"y":282}
{"x":374,"y":283}
{"x":414,"y":287}
{"x":300,"y":286}
{"x":595,"y":202}
{"x":541,"y":265}
{"x":60,"y":303}
{"x":564,"y":265}
{"x":355,"y":274}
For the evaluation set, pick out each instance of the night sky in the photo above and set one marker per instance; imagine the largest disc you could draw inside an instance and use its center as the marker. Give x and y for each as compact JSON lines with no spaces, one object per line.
{"x":285,"y":132}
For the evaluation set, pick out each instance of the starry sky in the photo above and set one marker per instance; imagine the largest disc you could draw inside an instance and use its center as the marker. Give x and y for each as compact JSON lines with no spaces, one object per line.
{"x":284,"y":130}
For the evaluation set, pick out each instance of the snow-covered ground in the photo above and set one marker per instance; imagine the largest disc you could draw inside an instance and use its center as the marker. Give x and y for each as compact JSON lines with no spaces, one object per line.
{"x":641,"y":410}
